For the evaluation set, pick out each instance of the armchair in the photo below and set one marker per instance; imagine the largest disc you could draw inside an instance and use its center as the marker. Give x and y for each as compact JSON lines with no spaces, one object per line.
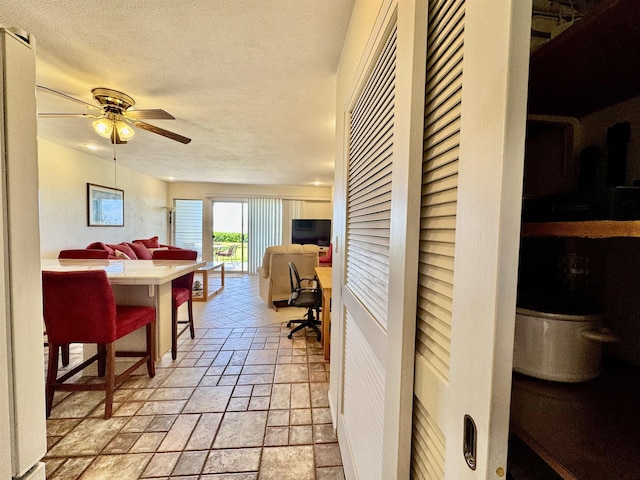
{"x":274,"y":274}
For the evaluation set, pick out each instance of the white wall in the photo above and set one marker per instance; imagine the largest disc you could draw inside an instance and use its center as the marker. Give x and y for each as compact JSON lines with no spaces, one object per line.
{"x":64,"y":174}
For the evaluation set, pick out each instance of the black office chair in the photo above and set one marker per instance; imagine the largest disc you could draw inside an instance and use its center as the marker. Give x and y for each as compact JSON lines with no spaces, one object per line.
{"x":305,"y":293}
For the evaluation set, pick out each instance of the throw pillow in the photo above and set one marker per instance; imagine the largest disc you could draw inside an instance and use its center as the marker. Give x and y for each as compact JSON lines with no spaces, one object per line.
{"x":122,"y":255}
{"x":124,"y":248}
{"x":140,"y":250}
{"x":149,"y":242}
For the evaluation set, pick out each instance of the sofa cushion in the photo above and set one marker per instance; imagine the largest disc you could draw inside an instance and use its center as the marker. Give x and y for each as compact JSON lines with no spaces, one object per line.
{"x":102,"y":246}
{"x":282,"y":249}
{"x":149,"y":242}
{"x":141,"y":251}
{"x":124,"y":248}
{"x":122,"y":255}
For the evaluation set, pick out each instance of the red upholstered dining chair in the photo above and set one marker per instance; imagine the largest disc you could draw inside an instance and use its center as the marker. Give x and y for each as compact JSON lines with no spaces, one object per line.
{"x":181,"y":291}
{"x":79,"y":307}
{"x":83,"y":253}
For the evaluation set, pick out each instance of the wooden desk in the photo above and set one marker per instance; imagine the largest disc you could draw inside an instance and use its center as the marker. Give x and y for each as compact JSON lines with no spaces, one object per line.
{"x":323,"y":274}
{"x":137,"y":282}
{"x":203,"y":296}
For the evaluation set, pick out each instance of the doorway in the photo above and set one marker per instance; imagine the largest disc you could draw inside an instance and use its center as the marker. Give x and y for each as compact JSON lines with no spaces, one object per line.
{"x":230,"y":234}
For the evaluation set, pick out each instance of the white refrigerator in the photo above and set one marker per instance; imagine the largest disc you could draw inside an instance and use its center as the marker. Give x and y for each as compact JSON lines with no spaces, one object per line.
{"x":22,"y":405}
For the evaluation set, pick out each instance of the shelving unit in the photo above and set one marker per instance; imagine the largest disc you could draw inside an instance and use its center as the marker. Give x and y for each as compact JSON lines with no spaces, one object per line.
{"x":588,"y":229}
{"x":583,"y":431}
{"x":593,"y":64}
{"x":586,"y":431}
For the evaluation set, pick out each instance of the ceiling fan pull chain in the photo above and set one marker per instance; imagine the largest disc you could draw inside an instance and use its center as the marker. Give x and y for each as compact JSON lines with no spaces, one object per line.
{"x":115,"y":167}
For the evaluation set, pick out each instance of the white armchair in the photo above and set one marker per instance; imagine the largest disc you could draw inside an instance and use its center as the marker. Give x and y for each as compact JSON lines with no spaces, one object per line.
{"x":274,"y":273}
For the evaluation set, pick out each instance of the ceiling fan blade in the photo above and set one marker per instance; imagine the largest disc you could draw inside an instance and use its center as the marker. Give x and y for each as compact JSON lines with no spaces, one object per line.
{"x":149,"y":114}
{"x":63,"y":115}
{"x":161,"y":131}
{"x":69,"y":97}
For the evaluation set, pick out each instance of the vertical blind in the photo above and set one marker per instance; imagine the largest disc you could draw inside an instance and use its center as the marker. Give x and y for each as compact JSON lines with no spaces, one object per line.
{"x":187,"y":229}
{"x":265,"y":228}
{"x":369,"y":186}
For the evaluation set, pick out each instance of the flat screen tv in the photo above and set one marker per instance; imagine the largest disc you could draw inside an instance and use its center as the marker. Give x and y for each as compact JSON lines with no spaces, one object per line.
{"x":315,"y":231}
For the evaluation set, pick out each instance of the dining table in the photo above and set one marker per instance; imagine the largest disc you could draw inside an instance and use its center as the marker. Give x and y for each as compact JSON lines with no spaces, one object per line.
{"x":136,"y":282}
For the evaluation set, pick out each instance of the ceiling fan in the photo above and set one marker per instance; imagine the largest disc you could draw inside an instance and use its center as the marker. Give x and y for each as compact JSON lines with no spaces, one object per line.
{"x":115,"y":117}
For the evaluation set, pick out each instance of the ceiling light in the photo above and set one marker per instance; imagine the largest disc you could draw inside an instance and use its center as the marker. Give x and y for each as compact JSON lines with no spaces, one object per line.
{"x":125,"y":132}
{"x":103,"y":127}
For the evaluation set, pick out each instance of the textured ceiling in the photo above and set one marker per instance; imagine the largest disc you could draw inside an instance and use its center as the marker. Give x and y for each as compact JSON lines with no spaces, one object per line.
{"x":252,"y":82}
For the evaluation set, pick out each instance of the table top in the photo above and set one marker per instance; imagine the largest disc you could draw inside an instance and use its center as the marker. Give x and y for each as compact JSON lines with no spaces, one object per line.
{"x":210,"y":266}
{"x":127,"y":272}
{"x":324,"y":277}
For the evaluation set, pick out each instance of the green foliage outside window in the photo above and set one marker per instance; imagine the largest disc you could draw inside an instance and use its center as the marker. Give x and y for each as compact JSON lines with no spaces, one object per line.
{"x":229,"y":237}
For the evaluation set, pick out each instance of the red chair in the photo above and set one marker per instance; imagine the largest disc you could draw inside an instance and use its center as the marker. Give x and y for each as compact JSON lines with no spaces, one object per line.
{"x":326,"y":261}
{"x":84,"y":253}
{"x":79,"y":254}
{"x":79,"y":307}
{"x":181,"y":291}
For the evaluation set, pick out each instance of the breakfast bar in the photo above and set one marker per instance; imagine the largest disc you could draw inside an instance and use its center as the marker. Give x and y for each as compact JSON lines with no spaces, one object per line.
{"x":137,"y":282}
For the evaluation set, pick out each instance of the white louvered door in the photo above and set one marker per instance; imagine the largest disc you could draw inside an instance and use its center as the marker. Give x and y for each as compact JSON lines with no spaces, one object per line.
{"x":475,"y":108}
{"x":365,"y":296}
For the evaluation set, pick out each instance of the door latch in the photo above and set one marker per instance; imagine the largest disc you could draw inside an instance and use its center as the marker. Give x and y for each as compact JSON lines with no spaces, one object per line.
{"x":470,"y":442}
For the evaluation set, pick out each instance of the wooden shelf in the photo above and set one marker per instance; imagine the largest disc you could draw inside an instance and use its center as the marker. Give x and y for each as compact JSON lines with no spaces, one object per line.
{"x":593,"y":64}
{"x":589,"y":229}
{"x":584,"y":431}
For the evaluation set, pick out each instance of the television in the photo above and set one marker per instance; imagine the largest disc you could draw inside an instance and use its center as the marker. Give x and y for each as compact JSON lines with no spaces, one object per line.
{"x":314,"y":231}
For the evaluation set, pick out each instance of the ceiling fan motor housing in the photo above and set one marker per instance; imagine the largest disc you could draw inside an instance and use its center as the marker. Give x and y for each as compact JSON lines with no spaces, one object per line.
{"x":113,"y":100}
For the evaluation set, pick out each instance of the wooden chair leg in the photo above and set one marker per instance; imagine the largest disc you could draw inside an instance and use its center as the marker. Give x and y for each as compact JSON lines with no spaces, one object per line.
{"x":109,"y":381}
{"x":102,"y":359}
{"x":52,"y":373}
{"x":174,"y":333}
{"x":191,"y":328}
{"x":151,"y":349}
{"x":65,"y":355}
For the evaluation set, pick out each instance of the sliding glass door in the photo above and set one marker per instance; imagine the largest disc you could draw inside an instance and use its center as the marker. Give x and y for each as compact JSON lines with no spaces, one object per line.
{"x":230,"y":237}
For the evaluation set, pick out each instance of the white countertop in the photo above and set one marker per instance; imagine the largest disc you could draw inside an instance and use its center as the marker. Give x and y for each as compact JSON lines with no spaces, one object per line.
{"x":127,"y":272}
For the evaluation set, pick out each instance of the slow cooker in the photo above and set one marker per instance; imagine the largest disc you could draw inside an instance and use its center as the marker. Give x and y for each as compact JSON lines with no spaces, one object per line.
{"x":562,"y":347}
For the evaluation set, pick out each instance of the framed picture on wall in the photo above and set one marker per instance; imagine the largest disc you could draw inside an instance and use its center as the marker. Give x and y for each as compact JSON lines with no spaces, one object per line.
{"x":105,"y":206}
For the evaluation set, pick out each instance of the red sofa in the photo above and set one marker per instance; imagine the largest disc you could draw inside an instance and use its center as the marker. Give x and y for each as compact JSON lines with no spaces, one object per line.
{"x":141,"y":249}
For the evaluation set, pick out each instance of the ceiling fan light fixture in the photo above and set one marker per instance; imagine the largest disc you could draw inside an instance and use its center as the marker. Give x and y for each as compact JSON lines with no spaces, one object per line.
{"x":125,"y":132}
{"x":103,"y":127}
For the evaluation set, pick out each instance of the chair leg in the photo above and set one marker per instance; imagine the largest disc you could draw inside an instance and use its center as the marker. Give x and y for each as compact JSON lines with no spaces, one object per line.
{"x":151,"y":349}
{"x":65,"y":355}
{"x":102,"y":359}
{"x":174,"y":333}
{"x":190,"y":308}
{"x":52,"y":373}
{"x":109,"y":381}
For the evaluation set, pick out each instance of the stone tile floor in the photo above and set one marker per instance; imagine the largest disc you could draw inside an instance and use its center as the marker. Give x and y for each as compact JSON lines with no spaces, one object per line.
{"x":241,"y":402}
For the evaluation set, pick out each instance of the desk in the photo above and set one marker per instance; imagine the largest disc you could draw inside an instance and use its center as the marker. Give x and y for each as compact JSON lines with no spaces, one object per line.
{"x":137,"y":282}
{"x":323,"y":274}
{"x":205,"y":270}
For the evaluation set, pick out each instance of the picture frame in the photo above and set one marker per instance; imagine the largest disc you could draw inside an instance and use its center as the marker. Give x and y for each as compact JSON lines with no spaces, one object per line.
{"x":105,"y":206}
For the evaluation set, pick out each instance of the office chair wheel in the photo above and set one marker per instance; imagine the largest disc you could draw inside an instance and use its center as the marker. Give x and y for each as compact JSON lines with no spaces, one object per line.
{"x":289,"y":325}
{"x":290,"y":335}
